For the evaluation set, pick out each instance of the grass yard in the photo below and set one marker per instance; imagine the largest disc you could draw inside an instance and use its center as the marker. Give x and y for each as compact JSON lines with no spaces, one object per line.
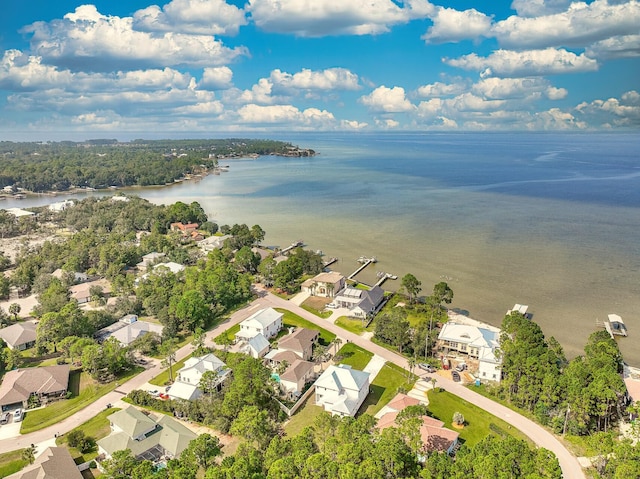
{"x":162,"y":379}
{"x":354,"y":356}
{"x":85,"y":391}
{"x":291,"y":319}
{"x":389,"y":381}
{"x":97,"y":427}
{"x":11,"y":462}
{"x":478,"y":422}
{"x":352,"y":325}
{"x":302,"y":418}
{"x":318,"y":312}
{"x":230,"y":333}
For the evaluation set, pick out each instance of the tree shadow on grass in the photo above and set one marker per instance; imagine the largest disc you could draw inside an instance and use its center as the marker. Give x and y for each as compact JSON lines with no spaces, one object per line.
{"x":74,"y":382}
{"x":373,"y":398}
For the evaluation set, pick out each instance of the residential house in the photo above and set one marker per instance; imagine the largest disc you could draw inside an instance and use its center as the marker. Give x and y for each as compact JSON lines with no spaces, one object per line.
{"x":130,"y":332}
{"x":53,"y":463}
{"x":361,"y":303}
{"x":341,"y":390}
{"x":147,"y":436}
{"x":19,"y":212}
{"x":213,"y":242}
{"x":82,"y":292}
{"x":78,"y":277}
{"x":61,"y":205}
{"x":267,"y":322}
{"x":46,"y":382}
{"x":162,"y":268}
{"x":435,"y":437}
{"x":301,"y":342}
{"x":185,"y":229}
{"x":478,"y":343}
{"x":296,"y":376}
{"x":187,"y":383}
{"x":325,"y":285}
{"x":256,"y":346}
{"x":149,"y":259}
{"x":19,"y":336}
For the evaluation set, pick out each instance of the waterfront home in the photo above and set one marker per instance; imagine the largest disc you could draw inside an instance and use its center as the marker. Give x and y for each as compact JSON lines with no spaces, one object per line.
{"x":213,"y":242}
{"x":53,"y":463}
{"x":361,"y":303}
{"x":19,"y":336}
{"x":60,"y":206}
{"x":434,"y":436}
{"x":301,"y":342}
{"x":341,"y":390}
{"x":267,"y":322}
{"x":325,"y":285}
{"x":185,"y":229}
{"x":45,"y":382}
{"x":476,"y":343}
{"x":187,"y":383}
{"x":148,"y":436}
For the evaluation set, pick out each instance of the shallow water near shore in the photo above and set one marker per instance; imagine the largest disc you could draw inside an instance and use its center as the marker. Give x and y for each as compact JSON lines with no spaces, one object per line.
{"x":548,"y":220}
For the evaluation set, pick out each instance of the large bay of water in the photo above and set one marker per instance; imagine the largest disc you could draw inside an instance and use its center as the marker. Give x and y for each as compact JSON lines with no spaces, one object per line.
{"x":548,"y":220}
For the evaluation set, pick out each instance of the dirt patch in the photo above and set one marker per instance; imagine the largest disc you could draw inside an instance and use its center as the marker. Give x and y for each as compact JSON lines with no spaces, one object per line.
{"x":317,"y":303}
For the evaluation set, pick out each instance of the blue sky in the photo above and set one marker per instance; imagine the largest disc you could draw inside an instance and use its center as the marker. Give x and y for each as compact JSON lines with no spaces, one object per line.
{"x":74,"y":70}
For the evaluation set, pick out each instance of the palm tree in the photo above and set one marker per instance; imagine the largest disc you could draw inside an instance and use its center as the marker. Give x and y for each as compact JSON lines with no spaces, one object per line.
{"x":336,"y":342}
{"x":29,"y":454}
{"x":14,"y":308}
{"x":412,"y":365}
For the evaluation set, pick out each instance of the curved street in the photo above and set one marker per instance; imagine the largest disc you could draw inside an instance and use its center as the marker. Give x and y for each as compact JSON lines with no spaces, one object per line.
{"x":571,"y":468}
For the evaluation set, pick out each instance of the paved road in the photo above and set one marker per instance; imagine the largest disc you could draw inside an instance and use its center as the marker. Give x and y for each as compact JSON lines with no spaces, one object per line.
{"x":571,"y":469}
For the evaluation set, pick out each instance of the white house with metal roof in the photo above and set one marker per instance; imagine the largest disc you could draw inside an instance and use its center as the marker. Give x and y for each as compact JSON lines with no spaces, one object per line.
{"x":475,"y":342}
{"x":266,"y":322}
{"x":341,"y":390}
{"x":187,"y":383}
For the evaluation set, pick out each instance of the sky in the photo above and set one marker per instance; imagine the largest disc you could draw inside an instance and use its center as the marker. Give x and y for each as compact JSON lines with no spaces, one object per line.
{"x":73,"y":70}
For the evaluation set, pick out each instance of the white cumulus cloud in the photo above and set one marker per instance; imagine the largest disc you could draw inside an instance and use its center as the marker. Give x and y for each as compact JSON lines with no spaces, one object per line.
{"x":315,"y":18}
{"x":387,"y":100}
{"x":624,"y":46}
{"x":450,"y":25}
{"x":510,"y":63}
{"x":286,"y":115}
{"x":517,"y":88}
{"x":440,"y":89}
{"x":88,"y":40}
{"x":329,"y":79}
{"x":580,"y":25}
{"x":216,"y":78}
{"x":536,"y":8}
{"x":204,"y":17}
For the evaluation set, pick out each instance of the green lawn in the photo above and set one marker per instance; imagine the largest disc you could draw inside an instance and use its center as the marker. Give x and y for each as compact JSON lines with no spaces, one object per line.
{"x":291,"y":319}
{"x":230,"y":333}
{"x":85,"y":391}
{"x":477,"y":421}
{"x":389,"y":381}
{"x":97,"y":427}
{"x":352,"y":325}
{"x":302,"y":418}
{"x":162,"y":379}
{"x":354,"y":356}
{"x":312,"y":310}
{"x":11,"y":462}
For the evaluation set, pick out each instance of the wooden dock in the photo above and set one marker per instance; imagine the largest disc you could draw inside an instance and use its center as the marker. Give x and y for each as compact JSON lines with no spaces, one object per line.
{"x":329,"y":262}
{"x":293,"y":245}
{"x":365,"y":262}
{"x":382,"y":277}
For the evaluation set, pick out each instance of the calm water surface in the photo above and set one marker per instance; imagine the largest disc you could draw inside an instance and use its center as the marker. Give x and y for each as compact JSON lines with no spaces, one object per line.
{"x":548,"y":220}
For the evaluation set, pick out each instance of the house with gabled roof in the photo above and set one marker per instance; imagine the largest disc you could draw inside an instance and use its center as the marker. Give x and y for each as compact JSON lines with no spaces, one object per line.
{"x":300,"y":342}
{"x":296,"y":376}
{"x":53,"y":463}
{"x":266,"y":322}
{"x":148,"y":436}
{"x":19,"y":336}
{"x":341,"y":390}
{"x":256,"y":346}
{"x":45,"y":382}
{"x":187,"y":383}
{"x":360,"y":302}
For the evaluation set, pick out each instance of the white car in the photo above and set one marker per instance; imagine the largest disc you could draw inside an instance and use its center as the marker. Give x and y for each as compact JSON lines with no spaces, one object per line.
{"x":17,"y":415}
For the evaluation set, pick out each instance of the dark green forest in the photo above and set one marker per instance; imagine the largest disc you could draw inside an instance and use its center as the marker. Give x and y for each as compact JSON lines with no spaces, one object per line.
{"x":60,"y":166}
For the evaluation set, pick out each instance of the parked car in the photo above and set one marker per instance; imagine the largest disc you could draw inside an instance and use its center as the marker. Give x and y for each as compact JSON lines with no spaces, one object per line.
{"x":455,"y":375}
{"x":427,"y":367}
{"x":17,"y":415}
{"x":4,"y":418}
{"x":461,"y":367}
{"x":154,"y":393}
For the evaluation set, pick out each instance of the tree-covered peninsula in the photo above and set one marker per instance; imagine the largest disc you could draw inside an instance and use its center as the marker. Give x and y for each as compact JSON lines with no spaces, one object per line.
{"x":60,"y":166}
